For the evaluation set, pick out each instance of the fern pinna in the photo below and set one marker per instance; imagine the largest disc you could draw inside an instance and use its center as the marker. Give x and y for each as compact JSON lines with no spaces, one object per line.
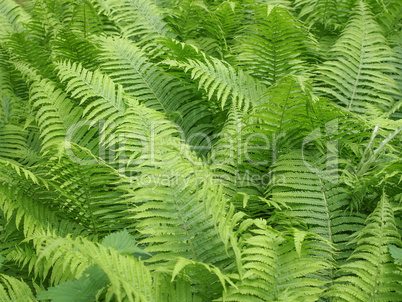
{"x":200,"y":150}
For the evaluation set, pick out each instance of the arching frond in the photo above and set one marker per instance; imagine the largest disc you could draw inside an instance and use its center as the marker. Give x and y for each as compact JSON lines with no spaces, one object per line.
{"x":12,"y":289}
{"x":272,"y":46}
{"x":13,"y":143}
{"x":129,"y":278}
{"x":138,"y":20}
{"x":103,"y":99}
{"x":152,"y":86}
{"x":12,"y":18}
{"x":330,"y":14}
{"x":370,"y":273}
{"x":314,"y":195}
{"x":360,"y":66}
{"x":217,"y":77}
{"x":270,"y":275}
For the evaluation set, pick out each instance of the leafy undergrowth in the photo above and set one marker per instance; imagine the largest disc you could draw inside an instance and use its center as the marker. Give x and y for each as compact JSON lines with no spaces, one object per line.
{"x":200,"y":150}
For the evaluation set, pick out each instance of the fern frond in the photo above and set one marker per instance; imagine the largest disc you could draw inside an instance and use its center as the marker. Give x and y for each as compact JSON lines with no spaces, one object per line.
{"x":12,"y":19}
{"x":217,"y":77}
{"x":55,"y":114}
{"x":330,"y":14}
{"x":130,"y":279}
{"x":387,"y":14}
{"x":360,"y":66}
{"x":152,"y":86}
{"x":138,"y":20}
{"x":103,"y":99}
{"x":314,"y":195}
{"x":370,"y":274}
{"x":13,"y":143}
{"x":88,"y":187}
{"x":82,"y":289}
{"x":271,"y":275}
{"x":12,"y":289}
{"x":274,"y":45}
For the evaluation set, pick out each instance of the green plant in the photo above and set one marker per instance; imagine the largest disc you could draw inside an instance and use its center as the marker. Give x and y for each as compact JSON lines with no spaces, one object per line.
{"x":200,"y":150}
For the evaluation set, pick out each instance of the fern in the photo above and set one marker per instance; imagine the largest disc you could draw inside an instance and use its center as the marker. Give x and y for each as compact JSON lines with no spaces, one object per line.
{"x":12,"y":18}
{"x":13,"y":289}
{"x":324,"y":13}
{"x":149,"y":84}
{"x":138,"y":20}
{"x":270,"y":276}
{"x":359,"y":71}
{"x":200,"y":150}
{"x":219,"y":78}
{"x":273,"y":46}
{"x":369,"y":274}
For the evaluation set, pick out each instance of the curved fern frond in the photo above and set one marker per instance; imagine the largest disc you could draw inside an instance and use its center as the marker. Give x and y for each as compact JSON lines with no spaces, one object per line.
{"x":360,"y":66}
{"x":85,"y":288}
{"x":387,"y":14}
{"x":152,"y":86}
{"x":130,"y":279}
{"x":12,"y":18}
{"x":12,"y":289}
{"x":330,"y":14}
{"x":138,"y":20}
{"x":27,"y":201}
{"x":13,"y":143}
{"x":55,"y":114}
{"x":102,"y":98}
{"x":270,"y":275}
{"x":90,"y":193}
{"x":274,"y":45}
{"x":217,"y":77}
{"x":370,"y":273}
{"x":313,"y":193}
{"x":209,"y":26}
{"x":72,"y":46}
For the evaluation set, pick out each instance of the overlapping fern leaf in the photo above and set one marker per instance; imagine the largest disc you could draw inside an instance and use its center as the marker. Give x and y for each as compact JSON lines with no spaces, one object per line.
{"x":314,"y":197}
{"x":325,"y":13}
{"x":200,"y":150}
{"x":358,"y":72}
{"x":12,"y":18}
{"x":138,"y":20}
{"x":274,"y":45}
{"x":219,"y":78}
{"x":370,"y":273}
{"x":270,"y":274}
{"x":152,"y":86}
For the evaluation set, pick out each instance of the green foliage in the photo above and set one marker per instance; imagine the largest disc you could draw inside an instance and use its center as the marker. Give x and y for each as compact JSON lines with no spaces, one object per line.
{"x":358,"y":72}
{"x":371,"y":258}
{"x":200,"y":150}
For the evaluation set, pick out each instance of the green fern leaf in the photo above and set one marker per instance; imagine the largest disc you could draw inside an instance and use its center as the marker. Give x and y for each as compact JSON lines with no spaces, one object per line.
{"x":273,"y":46}
{"x":360,"y":66}
{"x":14,"y":290}
{"x":12,"y":18}
{"x":270,"y":276}
{"x":139,"y":20}
{"x":151,"y":86}
{"x":83,"y":289}
{"x":370,"y":274}
{"x":330,"y":14}
{"x":217,"y":77}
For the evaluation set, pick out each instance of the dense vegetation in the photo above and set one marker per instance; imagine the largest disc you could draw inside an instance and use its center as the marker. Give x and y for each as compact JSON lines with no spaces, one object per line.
{"x":175,"y":150}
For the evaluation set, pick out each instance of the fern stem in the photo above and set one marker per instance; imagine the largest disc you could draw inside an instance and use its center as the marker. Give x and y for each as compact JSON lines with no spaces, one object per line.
{"x":358,"y":73}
